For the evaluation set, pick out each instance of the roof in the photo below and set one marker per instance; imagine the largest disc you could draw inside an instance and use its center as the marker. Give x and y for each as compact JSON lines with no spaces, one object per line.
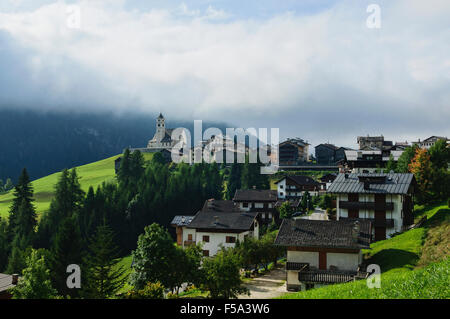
{"x":5,"y":282}
{"x":394,"y":183}
{"x":300,"y":180}
{"x":323,"y":234}
{"x":213,"y":205}
{"x":224,"y":220}
{"x":255,"y":195}
{"x":181,"y":220}
{"x":330,"y":146}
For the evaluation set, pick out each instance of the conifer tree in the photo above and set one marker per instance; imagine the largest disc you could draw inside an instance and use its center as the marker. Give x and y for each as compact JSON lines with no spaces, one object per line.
{"x":23,"y":196}
{"x":104,"y":277}
{"x":66,"y":250}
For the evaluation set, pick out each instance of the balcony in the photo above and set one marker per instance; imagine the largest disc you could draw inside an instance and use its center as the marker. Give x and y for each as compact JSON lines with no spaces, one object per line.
{"x":366,"y":205}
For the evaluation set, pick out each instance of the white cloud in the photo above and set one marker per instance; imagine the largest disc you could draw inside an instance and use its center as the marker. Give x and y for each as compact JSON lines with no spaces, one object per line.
{"x":208,"y":65}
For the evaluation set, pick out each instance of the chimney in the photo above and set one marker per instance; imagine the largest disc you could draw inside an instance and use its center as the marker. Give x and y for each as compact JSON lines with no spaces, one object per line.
{"x":355,"y":231}
{"x":15,"y":279}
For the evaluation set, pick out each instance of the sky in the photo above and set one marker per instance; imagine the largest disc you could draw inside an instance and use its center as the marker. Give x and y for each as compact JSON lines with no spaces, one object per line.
{"x":318,"y":70}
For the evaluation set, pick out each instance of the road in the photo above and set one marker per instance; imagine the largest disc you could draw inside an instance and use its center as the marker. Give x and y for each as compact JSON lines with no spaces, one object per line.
{"x":271,"y":285}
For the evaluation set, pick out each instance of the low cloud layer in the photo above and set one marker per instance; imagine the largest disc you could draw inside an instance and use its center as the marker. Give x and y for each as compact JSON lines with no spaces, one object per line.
{"x":323,"y":76}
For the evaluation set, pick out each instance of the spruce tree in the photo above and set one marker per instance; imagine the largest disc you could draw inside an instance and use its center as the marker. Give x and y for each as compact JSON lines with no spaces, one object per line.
{"x":23,"y":195}
{"x":104,"y":277}
{"x":66,"y":250}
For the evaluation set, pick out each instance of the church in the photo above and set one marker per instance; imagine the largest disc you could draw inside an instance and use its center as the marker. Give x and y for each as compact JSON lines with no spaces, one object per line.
{"x":163,"y":136}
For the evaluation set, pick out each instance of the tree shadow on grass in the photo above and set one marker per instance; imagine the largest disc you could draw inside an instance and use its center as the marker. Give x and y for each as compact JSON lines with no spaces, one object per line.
{"x":394,"y":258}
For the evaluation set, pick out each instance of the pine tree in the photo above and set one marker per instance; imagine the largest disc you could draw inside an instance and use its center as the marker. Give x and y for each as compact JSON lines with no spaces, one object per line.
{"x":104,"y":277}
{"x":66,"y":250}
{"x":23,"y":196}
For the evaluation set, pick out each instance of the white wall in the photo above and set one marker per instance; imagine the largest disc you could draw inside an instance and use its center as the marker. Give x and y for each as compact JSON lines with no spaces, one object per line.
{"x":281,"y":188}
{"x":343,"y":261}
{"x":395,"y":214}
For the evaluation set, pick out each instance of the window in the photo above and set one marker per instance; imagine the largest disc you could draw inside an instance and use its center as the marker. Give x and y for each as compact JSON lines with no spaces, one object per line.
{"x":230,"y":239}
{"x":189,"y":236}
{"x":206,"y":239}
{"x":281,"y":193}
{"x":205,"y":253}
{"x":244,"y":204}
{"x":281,"y":186}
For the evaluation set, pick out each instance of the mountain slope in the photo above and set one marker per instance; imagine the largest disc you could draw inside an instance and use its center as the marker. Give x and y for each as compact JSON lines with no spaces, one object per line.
{"x":93,"y":174}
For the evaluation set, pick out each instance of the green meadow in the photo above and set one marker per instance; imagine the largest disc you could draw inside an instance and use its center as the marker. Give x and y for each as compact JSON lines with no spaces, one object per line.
{"x":413,"y":264}
{"x":93,"y":174}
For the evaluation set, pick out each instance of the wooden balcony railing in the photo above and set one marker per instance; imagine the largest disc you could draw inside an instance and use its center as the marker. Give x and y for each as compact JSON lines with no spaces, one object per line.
{"x":326,"y":276}
{"x":366,"y":205}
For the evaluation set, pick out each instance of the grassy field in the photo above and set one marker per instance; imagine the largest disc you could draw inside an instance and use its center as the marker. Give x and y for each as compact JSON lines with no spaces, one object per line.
{"x":93,"y":174}
{"x":414,"y":264}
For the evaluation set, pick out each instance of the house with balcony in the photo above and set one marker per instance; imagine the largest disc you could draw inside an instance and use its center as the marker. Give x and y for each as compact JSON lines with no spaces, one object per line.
{"x":261,"y":201}
{"x":293,"y":187}
{"x":384,"y":199}
{"x":216,"y":230}
{"x":322,"y":252}
{"x":293,"y":151}
{"x":429,"y":142}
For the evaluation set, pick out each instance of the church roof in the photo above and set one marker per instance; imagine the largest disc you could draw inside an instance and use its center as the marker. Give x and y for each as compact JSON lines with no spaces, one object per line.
{"x":160,"y":116}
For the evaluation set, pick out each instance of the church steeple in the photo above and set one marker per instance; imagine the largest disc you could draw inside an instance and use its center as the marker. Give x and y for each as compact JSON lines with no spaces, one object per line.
{"x":160,"y":127}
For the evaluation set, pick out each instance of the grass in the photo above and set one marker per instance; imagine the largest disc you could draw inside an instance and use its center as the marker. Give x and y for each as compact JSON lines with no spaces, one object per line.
{"x":125,"y":262}
{"x":93,"y":174}
{"x":432,"y":281}
{"x":414,"y":264}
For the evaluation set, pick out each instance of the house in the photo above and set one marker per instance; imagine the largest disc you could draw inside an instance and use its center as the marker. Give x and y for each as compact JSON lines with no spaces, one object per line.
{"x":323,"y":252}
{"x":369,"y":161}
{"x":325,"y":154}
{"x":293,"y":151}
{"x":372,"y":142}
{"x":216,"y":230}
{"x":6,"y":283}
{"x":429,"y":142}
{"x":384,"y":199}
{"x":293,"y":187}
{"x":261,"y":201}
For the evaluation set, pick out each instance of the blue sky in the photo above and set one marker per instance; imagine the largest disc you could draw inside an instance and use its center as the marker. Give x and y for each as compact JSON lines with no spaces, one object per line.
{"x":312,"y":68}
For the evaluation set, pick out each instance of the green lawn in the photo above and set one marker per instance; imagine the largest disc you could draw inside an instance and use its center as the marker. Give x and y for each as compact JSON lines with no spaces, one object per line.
{"x":398,"y":258}
{"x":93,"y":174}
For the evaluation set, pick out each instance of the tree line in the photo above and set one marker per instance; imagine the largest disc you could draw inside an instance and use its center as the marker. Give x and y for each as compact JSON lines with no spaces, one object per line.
{"x":114,"y":215}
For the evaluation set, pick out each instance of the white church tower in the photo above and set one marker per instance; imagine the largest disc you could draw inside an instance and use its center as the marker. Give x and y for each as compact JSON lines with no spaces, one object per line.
{"x":160,"y":128}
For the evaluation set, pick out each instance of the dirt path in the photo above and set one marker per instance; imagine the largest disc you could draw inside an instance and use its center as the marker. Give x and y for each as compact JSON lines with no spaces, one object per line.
{"x":271,"y":285}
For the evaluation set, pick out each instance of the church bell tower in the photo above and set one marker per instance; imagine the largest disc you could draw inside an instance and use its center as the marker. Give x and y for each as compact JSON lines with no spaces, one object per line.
{"x":160,"y":127}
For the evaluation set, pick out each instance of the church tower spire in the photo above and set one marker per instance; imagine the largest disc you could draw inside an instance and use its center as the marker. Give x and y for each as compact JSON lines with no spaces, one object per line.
{"x":160,"y":127}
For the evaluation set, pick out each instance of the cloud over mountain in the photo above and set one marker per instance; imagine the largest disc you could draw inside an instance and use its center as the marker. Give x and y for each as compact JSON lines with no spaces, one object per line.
{"x":323,"y":71}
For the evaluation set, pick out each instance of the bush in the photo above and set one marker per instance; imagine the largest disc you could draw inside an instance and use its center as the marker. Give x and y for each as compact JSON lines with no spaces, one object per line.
{"x":150,"y":291}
